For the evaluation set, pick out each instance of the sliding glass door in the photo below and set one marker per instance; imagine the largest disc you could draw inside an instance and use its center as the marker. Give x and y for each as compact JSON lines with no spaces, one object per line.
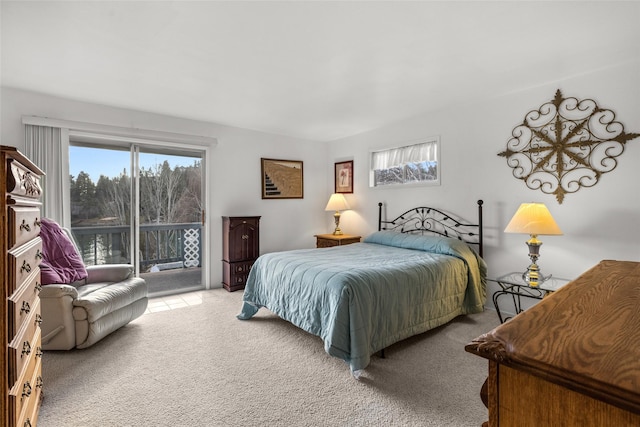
{"x":142,"y":205}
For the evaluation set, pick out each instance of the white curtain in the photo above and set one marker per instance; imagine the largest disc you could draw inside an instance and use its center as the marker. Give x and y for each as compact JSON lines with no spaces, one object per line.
{"x":394,"y":157}
{"x":48,"y":147}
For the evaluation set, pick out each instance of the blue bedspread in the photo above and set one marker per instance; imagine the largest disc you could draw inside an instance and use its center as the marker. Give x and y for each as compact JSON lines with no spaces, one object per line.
{"x":363,"y":297}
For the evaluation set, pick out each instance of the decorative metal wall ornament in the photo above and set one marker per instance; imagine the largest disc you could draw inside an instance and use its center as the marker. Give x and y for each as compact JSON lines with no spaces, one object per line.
{"x":564,"y":145}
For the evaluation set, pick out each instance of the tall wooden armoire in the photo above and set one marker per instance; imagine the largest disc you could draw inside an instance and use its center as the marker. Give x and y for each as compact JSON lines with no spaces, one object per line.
{"x":240,"y":248}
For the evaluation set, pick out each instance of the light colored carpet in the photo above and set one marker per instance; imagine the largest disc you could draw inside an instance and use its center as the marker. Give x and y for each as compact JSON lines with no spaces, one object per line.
{"x":201,"y":366}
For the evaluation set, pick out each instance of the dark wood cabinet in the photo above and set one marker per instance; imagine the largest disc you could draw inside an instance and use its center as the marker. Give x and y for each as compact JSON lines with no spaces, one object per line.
{"x":240,"y":248}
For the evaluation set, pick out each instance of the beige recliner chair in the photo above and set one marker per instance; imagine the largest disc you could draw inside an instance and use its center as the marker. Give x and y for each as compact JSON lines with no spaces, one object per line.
{"x":82,"y":313}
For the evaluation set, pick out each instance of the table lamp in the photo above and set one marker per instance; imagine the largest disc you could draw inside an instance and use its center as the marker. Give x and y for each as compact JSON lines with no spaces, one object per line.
{"x":337,"y":203}
{"x":533,"y":219}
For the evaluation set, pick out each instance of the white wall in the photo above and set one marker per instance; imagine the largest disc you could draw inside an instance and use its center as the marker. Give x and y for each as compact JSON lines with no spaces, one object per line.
{"x":600,"y":222}
{"x":235,"y":179}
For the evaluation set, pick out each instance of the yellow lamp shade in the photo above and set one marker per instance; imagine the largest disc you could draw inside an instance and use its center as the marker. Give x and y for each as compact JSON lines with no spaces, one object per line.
{"x":337,"y":202}
{"x":534,"y":219}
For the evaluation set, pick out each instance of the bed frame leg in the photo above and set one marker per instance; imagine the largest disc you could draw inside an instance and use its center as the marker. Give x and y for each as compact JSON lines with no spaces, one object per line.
{"x":382,"y":354}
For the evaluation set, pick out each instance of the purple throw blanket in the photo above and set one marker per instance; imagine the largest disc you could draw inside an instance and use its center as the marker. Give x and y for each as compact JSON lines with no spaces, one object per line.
{"x":62,"y":262}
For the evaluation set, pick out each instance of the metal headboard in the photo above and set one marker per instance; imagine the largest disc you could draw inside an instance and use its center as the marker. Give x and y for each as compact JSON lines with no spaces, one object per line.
{"x":434,"y":221}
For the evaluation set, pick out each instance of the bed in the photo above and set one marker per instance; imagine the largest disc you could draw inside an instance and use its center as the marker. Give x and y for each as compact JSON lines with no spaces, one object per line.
{"x":417,"y":272}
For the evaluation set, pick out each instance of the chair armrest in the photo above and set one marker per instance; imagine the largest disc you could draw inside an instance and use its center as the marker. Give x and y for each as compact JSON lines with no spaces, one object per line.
{"x":109,"y":273}
{"x":57,"y":291}
{"x":58,"y":326}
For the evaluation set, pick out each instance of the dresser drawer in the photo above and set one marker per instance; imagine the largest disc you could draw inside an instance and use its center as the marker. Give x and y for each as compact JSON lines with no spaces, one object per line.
{"x":27,"y":389}
{"x":25,"y":345}
{"x":23,"y":261}
{"x":29,"y":415}
{"x":21,"y":182}
{"x":22,"y":302}
{"x":24,"y":225}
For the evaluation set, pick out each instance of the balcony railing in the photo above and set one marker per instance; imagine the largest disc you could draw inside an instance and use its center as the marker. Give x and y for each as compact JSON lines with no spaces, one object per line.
{"x":161,"y":245}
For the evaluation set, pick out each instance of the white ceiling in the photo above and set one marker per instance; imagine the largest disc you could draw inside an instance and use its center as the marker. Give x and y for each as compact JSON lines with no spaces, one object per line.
{"x":317,"y":70}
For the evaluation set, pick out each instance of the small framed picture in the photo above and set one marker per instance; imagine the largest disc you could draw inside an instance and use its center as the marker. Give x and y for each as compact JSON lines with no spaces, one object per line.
{"x":282,"y":179}
{"x":344,"y":177}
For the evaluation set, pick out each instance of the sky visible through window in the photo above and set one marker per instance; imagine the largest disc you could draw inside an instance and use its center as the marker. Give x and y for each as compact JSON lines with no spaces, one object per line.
{"x":111,"y":163}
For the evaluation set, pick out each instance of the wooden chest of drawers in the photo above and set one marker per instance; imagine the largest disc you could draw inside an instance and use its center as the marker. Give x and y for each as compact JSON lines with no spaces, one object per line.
{"x":22,"y":251}
{"x":571,"y":360}
{"x":240,"y":248}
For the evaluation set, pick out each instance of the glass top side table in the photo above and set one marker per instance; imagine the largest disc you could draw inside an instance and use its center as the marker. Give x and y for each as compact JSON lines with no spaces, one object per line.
{"x":513,"y":284}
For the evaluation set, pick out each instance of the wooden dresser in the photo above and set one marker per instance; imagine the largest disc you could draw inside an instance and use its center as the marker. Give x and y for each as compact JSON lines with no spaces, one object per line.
{"x":328,"y":240}
{"x":240,"y":248}
{"x":571,"y":360}
{"x":22,"y":251}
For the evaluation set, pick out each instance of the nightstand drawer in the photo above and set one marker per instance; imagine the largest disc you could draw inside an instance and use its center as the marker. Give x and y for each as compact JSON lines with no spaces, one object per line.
{"x":329,"y":240}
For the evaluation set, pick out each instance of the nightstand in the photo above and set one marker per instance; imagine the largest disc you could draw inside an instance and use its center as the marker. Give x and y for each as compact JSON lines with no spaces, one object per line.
{"x":328,"y":240}
{"x":513,"y":284}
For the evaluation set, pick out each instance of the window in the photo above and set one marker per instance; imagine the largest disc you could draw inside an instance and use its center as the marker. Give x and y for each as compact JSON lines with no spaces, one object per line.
{"x":417,"y":163}
{"x":143,"y":205}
